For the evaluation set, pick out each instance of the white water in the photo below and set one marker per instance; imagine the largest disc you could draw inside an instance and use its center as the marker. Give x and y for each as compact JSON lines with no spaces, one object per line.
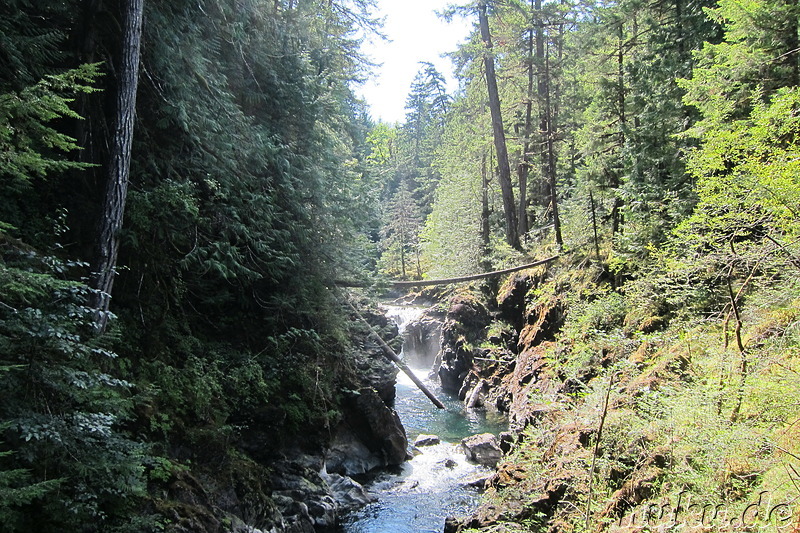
{"x":432,"y":486}
{"x":403,"y":315}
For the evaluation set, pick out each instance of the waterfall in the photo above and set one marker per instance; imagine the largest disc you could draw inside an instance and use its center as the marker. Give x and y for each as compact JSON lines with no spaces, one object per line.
{"x":436,"y":483}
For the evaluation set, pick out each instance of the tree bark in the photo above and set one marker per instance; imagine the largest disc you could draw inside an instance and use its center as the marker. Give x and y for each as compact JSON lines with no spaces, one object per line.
{"x":551,"y":161}
{"x":546,"y":124}
{"x":616,"y":210}
{"x":525,"y":165}
{"x":104,"y":266}
{"x":462,"y":279}
{"x":484,"y":206}
{"x":504,"y":169}
{"x":594,"y":225}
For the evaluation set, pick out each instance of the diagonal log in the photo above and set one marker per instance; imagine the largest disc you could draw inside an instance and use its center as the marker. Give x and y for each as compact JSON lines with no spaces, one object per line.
{"x":387,"y":350}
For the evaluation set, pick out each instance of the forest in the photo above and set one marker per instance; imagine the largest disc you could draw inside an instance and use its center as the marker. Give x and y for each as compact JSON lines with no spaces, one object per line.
{"x":192,"y":194}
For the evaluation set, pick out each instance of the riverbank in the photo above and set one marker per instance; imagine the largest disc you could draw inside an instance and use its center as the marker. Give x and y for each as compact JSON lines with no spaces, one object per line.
{"x":620,"y":406}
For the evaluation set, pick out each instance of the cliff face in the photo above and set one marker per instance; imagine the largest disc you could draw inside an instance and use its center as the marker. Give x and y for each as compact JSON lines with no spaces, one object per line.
{"x":494,"y":352}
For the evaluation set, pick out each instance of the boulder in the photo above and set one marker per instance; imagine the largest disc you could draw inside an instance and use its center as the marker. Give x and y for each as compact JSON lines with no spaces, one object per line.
{"x":426,"y":440}
{"x":370,"y":435}
{"x":302,"y":495}
{"x":348,"y":493}
{"x":482,"y":449}
{"x":349,"y":456}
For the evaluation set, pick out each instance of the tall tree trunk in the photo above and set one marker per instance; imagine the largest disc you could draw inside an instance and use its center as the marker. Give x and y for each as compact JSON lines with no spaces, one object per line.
{"x":541,"y":90}
{"x":104,"y":266}
{"x":87,"y":54}
{"x":551,"y":159}
{"x":616,"y":210}
{"x":504,"y":169}
{"x":484,"y":206}
{"x":546,"y":124}
{"x":525,"y":165}
{"x":792,"y":43}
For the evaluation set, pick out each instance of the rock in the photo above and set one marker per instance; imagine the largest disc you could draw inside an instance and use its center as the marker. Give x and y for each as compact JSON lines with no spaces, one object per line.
{"x":531,"y":374}
{"x":348,"y":493}
{"x":349,"y":456}
{"x":388,"y":433}
{"x":304,"y":495}
{"x":449,"y":463}
{"x":482,"y":449}
{"x":477,"y":482}
{"x":475,"y":397}
{"x":464,"y":323}
{"x":467,"y":385}
{"x":542,"y":322}
{"x":426,"y":440}
{"x":370,"y":435}
{"x":511,"y":297}
{"x":452,"y":524}
{"x":371,"y":365}
{"x":322,"y":511}
{"x":508,"y":439}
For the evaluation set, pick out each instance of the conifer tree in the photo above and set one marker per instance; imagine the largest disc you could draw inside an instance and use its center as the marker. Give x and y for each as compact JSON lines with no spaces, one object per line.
{"x":108,"y":235}
{"x":504,"y":170}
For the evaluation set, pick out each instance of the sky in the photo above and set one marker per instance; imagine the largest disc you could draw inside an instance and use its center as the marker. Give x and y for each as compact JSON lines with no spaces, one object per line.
{"x":416,"y":34}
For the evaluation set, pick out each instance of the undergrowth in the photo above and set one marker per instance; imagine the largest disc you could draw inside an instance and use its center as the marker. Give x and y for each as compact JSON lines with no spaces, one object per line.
{"x":699,"y":431}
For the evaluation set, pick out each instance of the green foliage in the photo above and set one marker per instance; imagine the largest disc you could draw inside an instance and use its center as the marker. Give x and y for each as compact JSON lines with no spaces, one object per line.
{"x":31,"y":146}
{"x":31,"y":32}
{"x":400,"y":234}
{"x":16,"y":489}
{"x":63,"y":410}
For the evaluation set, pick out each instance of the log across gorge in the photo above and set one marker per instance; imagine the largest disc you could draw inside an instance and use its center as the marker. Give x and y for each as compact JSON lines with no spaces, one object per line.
{"x":449,"y":281}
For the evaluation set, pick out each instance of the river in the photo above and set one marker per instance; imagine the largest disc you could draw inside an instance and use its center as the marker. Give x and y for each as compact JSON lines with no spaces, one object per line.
{"x":425,"y":490}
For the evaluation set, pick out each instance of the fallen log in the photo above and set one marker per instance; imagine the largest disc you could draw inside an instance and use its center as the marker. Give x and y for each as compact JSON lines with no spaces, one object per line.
{"x":387,"y":350}
{"x":448,"y":281}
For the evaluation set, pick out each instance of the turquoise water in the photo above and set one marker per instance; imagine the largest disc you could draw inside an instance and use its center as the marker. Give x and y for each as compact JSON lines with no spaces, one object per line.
{"x":431,"y":486}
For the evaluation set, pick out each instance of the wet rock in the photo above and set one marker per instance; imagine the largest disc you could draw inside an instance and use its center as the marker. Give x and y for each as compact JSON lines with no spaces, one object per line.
{"x":467,"y":385}
{"x":311,"y":499}
{"x":452,"y":524}
{"x":482,"y":449}
{"x":349,"y":456}
{"x":322,"y":511}
{"x":475,"y":397}
{"x":477,"y":482}
{"x":427,"y":440}
{"x":449,"y":463}
{"x":372,"y":367}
